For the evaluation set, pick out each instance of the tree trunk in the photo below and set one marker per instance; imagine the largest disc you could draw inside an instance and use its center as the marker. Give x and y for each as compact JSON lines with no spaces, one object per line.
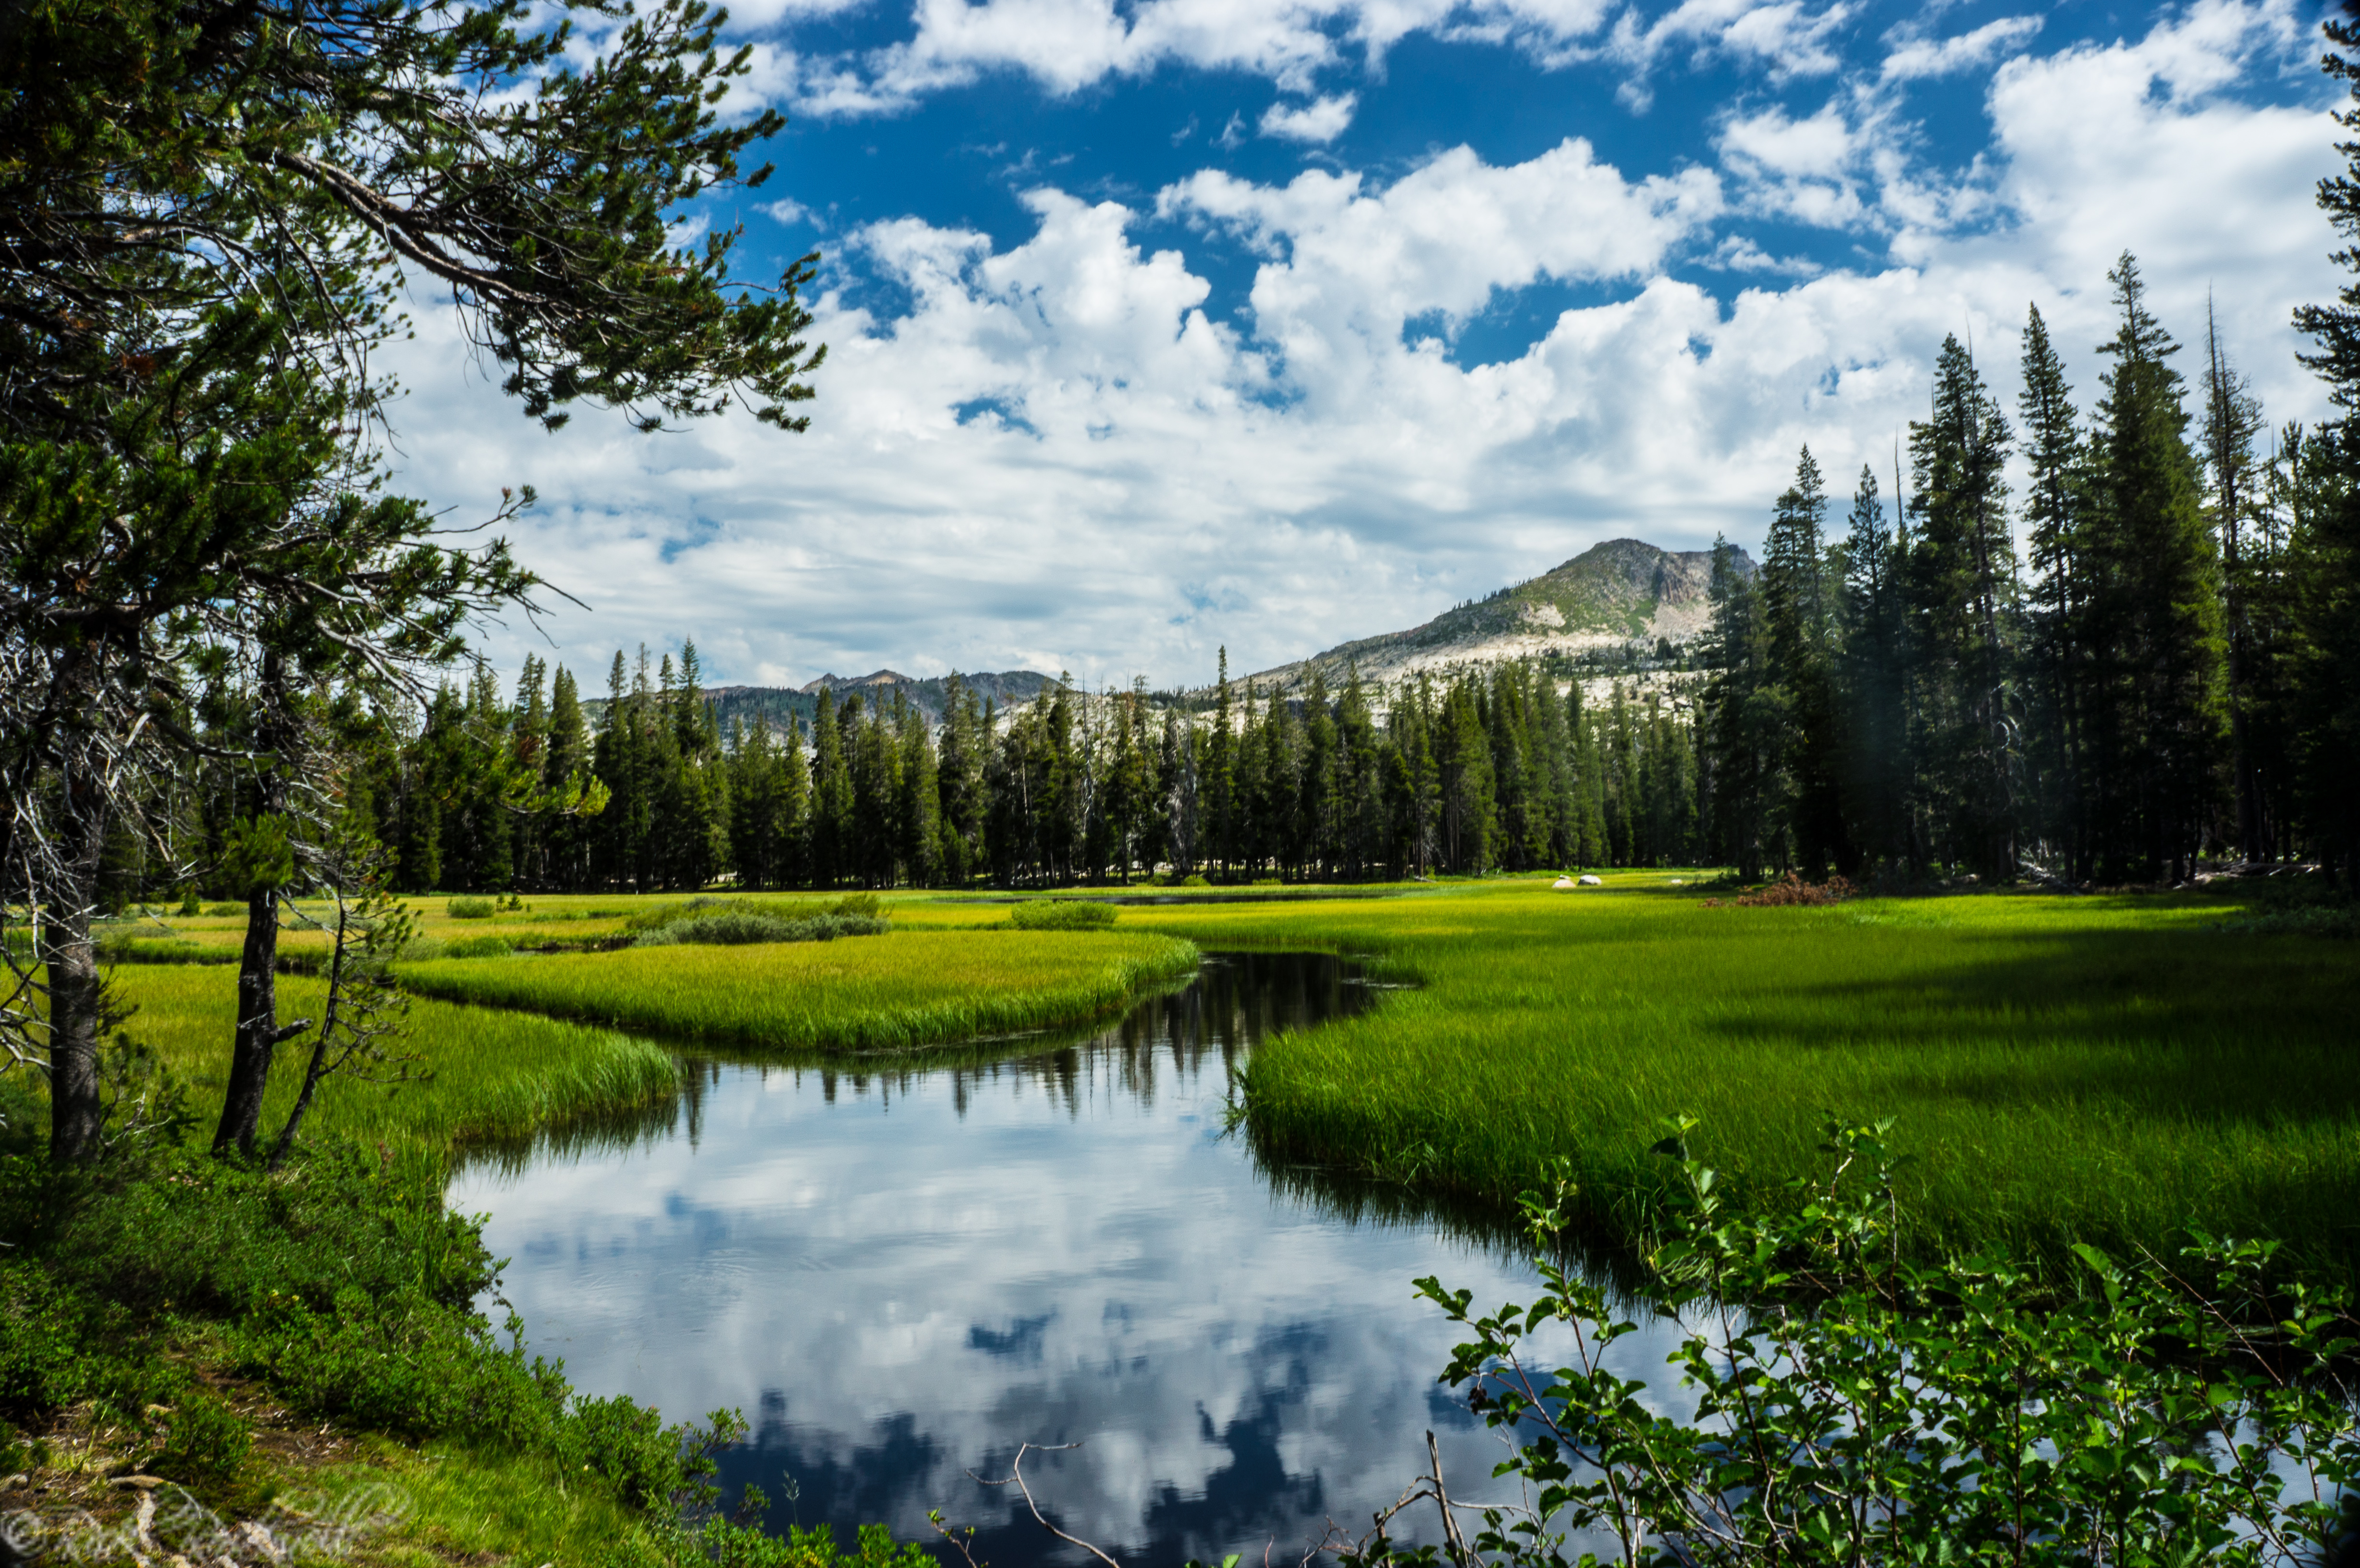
{"x":258,"y":1033}
{"x":258,"y":1026}
{"x":77,"y":1111}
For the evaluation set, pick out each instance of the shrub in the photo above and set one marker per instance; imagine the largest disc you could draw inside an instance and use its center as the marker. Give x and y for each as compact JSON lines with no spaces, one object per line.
{"x":1864,"y":1409}
{"x":1061,"y":914}
{"x":41,"y":1363}
{"x":205,"y":1440}
{"x":742,"y":927}
{"x":479,"y":947}
{"x":1791,"y":889}
{"x":224,"y":912}
{"x":403,"y":1364}
{"x":469,"y":908}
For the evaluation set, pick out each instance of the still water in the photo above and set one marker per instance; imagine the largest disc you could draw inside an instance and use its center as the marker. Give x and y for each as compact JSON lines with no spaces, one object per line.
{"x":901,"y":1270}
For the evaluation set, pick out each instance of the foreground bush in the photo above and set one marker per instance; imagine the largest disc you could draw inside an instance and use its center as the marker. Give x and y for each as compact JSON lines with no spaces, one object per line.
{"x":342,"y":1284}
{"x":1861,"y":1408}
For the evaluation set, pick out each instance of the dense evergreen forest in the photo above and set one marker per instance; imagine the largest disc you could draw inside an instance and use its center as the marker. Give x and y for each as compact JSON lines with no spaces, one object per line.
{"x":1492,"y":769}
{"x":2154,"y":678}
{"x":2167,"y":677}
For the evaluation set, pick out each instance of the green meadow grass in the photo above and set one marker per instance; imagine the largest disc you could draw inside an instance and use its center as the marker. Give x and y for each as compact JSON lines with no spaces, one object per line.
{"x":2107,"y":1069}
{"x":857,"y":994}
{"x":496,"y":1076}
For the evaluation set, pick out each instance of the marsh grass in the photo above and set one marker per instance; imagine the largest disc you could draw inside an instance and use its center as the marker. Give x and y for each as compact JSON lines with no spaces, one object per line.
{"x":2105,"y":1069}
{"x":481,"y":1074}
{"x":908,"y":990}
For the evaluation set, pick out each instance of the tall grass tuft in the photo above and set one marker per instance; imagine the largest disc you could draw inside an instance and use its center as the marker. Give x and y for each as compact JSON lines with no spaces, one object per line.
{"x":476,"y":1075}
{"x":912,"y":988}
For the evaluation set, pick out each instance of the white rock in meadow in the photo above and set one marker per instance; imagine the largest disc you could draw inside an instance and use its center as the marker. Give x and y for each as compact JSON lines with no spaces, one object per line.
{"x":1562,"y":882}
{"x":1593,"y":882}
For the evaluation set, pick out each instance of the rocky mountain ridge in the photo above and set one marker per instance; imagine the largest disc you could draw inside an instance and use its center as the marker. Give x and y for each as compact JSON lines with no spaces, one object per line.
{"x":1622,"y":594}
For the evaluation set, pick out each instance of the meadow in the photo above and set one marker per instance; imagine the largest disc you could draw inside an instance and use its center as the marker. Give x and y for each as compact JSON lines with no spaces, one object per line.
{"x":2110,"y":1069}
{"x":478,"y":1075}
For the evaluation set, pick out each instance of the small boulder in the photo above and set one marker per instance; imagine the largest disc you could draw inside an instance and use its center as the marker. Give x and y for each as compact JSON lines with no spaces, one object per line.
{"x":1562,"y":883}
{"x":1593,"y":882}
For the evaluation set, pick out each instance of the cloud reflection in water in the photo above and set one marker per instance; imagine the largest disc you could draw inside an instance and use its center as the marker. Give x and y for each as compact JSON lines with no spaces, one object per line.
{"x":904,"y":1270}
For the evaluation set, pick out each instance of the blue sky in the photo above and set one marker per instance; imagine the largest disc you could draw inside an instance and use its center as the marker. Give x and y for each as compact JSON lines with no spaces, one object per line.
{"x":1162,"y":325}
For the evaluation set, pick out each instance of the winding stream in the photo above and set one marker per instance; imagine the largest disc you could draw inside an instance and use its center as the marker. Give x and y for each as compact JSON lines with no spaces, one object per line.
{"x":902,"y":1272}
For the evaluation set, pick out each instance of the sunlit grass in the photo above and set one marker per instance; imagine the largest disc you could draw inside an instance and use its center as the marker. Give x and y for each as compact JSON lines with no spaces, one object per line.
{"x":2110,"y":1069}
{"x":479,"y":1074}
{"x":859,"y":993}
{"x":2107,"y":1068}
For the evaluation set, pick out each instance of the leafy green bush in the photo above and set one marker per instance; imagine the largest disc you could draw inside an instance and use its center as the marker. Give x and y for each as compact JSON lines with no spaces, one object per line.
{"x":205,"y":1440}
{"x":1853,"y":1407}
{"x":1061,"y":914}
{"x":403,"y":1364}
{"x":469,"y":908}
{"x":479,"y":947}
{"x":739,"y":922}
{"x":41,"y":1354}
{"x":224,"y":912}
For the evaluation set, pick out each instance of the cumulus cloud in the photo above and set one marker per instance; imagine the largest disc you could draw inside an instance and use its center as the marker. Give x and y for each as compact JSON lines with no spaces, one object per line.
{"x":1059,"y":454}
{"x":1067,"y":45}
{"x":1783,"y":35}
{"x":1915,"y":58}
{"x":1806,"y":170}
{"x":1321,"y":120}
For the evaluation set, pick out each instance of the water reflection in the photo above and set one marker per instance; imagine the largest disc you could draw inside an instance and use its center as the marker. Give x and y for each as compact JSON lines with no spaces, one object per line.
{"x":903,"y":1267}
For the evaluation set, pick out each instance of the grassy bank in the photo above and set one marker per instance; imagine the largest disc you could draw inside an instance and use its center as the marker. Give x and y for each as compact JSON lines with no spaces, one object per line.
{"x":480,"y":1074}
{"x":307,"y":1338}
{"x":2102,"y":1068}
{"x":908,"y":990}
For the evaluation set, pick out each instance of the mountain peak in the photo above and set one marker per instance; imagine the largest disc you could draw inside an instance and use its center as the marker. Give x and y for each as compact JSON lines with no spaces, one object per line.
{"x":845,"y":682}
{"x":1616,"y":593}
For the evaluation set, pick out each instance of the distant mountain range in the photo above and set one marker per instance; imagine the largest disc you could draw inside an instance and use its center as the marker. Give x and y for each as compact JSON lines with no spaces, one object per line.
{"x":1622,"y":595}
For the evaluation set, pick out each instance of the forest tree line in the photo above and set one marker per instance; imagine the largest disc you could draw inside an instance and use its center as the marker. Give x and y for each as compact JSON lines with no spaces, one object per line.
{"x":1493,"y":768}
{"x":2169,"y":674}
{"x":2162,"y":675}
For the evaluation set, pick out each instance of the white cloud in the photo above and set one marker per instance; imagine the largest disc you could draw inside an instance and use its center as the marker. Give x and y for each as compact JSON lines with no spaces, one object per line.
{"x":1322,"y":120}
{"x":1067,"y":45}
{"x":1804,"y":170}
{"x":1917,"y":57}
{"x":790,"y":210}
{"x":1061,"y":454}
{"x":1783,"y":35}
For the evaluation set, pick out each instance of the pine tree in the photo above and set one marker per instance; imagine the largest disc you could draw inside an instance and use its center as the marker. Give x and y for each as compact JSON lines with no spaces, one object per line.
{"x":568,"y":839}
{"x":1873,"y":720}
{"x":1796,"y":618}
{"x":1958,"y":583}
{"x":1218,"y":806}
{"x":832,"y":853}
{"x":1743,"y":713}
{"x":2156,"y":718}
{"x":2057,"y":654}
{"x":2232,"y":423}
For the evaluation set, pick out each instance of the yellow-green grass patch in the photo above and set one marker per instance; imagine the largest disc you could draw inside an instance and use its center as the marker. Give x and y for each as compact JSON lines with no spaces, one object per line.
{"x":484,"y":1075}
{"x":911,"y":988}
